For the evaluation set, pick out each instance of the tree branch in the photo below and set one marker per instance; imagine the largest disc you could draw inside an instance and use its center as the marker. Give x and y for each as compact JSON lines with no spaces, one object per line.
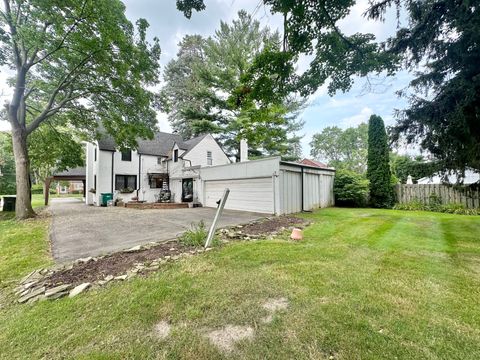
{"x":62,"y":41}
{"x":66,"y":81}
{"x":13,"y":32}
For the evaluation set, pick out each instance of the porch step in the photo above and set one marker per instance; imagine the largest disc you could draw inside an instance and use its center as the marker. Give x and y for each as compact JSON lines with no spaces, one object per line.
{"x":141,"y":206}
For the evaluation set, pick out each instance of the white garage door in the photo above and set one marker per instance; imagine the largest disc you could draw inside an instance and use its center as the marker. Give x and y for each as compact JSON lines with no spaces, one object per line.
{"x":245,"y":194}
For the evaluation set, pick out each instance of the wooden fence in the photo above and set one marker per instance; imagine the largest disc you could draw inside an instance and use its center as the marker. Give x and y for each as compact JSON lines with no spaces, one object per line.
{"x":447,"y":194}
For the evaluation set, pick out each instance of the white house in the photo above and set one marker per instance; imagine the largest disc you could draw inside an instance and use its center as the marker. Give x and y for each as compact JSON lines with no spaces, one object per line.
{"x":165,"y":162}
{"x":471,"y":176}
{"x":197,"y":170}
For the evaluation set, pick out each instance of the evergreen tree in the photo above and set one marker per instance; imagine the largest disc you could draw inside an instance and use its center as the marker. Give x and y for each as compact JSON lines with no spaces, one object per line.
{"x":378,"y":167}
{"x":206,"y":91}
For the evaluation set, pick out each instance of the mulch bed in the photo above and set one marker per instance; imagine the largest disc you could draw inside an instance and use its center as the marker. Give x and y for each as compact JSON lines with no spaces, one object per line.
{"x":272,"y":225}
{"x":115,"y":264}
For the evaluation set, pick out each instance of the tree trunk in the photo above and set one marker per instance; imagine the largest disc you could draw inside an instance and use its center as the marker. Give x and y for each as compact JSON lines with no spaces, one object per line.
{"x":23,"y":209}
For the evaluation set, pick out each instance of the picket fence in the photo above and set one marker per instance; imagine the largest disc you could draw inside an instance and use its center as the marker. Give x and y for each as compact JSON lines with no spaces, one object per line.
{"x":448,"y":194}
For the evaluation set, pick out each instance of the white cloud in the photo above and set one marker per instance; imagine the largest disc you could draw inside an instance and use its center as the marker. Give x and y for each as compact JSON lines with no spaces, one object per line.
{"x":357,"y":119}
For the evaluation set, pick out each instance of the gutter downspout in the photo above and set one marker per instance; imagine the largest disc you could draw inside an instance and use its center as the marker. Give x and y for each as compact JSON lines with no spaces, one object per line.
{"x":113,"y":163}
{"x":303,"y":201}
{"x":139,"y":174}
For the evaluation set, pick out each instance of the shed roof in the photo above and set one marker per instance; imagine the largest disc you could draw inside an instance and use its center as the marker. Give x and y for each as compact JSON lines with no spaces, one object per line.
{"x":314,"y":163}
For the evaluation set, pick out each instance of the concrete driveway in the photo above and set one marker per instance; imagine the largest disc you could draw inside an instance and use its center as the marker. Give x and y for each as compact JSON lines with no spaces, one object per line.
{"x":80,"y":231}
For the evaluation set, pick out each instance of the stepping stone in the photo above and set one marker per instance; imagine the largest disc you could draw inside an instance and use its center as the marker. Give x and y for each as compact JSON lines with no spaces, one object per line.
{"x":32,"y":294}
{"x":78,"y":289}
{"x":58,"y":289}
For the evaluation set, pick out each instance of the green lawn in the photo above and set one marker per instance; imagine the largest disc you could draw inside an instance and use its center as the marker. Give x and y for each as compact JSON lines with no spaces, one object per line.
{"x":364,"y":284}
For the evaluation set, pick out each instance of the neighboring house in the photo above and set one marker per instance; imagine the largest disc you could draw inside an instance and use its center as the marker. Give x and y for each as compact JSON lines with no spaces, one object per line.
{"x":471,"y":176}
{"x":165,"y":162}
{"x":197,"y":170}
{"x":314,"y":163}
{"x":74,"y":187}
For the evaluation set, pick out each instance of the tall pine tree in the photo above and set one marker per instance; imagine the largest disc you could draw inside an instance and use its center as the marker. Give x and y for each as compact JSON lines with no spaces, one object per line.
{"x":378,"y":167}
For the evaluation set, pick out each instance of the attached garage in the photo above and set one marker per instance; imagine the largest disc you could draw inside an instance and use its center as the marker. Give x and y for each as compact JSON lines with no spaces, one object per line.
{"x":269,"y":186}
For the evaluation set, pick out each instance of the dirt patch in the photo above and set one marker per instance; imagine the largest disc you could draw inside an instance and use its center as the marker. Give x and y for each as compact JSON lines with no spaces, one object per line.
{"x":272,"y":306}
{"x":162,"y":330}
{"x":271,"y":225}
{"x":115,"y":264}
{"x":225,"y":338}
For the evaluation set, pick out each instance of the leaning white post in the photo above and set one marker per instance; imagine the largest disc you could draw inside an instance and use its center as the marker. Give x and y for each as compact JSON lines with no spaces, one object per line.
{"x":213,"y":227}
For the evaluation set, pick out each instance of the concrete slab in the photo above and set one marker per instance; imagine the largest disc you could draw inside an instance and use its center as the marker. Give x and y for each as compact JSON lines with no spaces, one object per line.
{"x":80,"y":231}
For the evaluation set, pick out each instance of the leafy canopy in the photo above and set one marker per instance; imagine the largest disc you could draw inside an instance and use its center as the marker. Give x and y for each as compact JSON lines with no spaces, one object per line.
{"x":80,"y":59}
{"x":442,"y":38}
{"x":310,"y":28}
{"x":342,"y":149}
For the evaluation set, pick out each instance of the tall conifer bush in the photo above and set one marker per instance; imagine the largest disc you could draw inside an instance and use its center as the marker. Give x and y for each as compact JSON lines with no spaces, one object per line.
{"x":378,"y":167}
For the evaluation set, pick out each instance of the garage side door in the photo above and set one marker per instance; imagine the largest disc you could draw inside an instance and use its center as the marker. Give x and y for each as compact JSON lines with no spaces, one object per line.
{"x":245,"y":194}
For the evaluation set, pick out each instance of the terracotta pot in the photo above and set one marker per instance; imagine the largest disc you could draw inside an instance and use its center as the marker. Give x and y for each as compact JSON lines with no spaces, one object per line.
{"x":296,"y":234}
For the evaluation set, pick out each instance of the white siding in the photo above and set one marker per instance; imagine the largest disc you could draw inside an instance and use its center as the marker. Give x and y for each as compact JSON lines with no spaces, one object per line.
{"x":246,"y":194}
{"x":89,"y":197}
{"x":198,"y":154}
{"x":290,"y":190}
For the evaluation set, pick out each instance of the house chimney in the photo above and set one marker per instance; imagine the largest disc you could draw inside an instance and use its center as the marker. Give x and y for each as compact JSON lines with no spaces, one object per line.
{"x":243,"y":150}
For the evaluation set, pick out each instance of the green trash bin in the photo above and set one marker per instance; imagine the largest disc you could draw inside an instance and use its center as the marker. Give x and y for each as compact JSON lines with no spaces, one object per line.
{"x":105,"y":197}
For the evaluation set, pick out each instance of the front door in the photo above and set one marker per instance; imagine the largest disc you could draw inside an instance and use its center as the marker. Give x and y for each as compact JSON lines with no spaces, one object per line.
{"x":187,"y":190}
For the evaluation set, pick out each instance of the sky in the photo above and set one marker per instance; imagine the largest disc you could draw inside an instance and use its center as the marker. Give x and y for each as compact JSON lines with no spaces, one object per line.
{"x":343,"y":109}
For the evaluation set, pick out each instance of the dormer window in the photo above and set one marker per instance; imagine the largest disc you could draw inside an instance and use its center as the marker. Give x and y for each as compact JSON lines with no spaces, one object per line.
{"x":209,"y":158}
{"x":175,"y":155}
{"x":127,"y":155}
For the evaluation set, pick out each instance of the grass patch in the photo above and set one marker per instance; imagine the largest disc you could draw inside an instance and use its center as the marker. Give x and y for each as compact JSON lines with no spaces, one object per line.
{"x":363,"y":284}
{"x":23,"y":247}
{"x":195,"y":236}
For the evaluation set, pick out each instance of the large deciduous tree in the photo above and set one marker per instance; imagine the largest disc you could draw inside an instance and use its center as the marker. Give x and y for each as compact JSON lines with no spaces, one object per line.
{"x":442,"y":38}
{"x":206,"y":91}
{"x":81,"y":62}
{"x":378,"y":164}
{"x":342,"y":149}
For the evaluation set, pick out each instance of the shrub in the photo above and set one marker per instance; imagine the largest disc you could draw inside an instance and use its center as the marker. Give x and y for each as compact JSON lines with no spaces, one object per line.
{"x":378,"y":166}
{"x":350,"y":189}
{"x":38,"y":189}
{"x":195,"y":236}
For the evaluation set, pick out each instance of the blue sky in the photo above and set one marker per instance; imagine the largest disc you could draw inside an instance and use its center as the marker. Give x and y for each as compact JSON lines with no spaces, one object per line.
{"x":343,"y":110}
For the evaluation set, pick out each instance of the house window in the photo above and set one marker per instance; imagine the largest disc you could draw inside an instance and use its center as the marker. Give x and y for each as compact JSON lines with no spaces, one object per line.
{"x":127,"y":155}
{"x":124,"y":182}
{"x":95,"y":154}
{"x":209,"y":158}
{"x":156,"y":183}
{"x":175,"y":155}
{"x":159,"y":160}
{"x":95,"y":182}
